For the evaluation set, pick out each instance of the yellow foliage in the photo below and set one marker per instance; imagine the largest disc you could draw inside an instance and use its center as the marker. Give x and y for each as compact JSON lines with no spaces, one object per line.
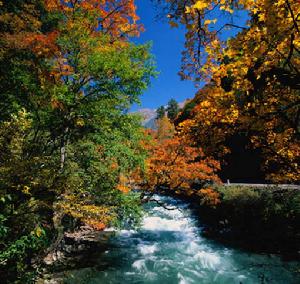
{"x":82,"y":209}
{"x":261,"y":68}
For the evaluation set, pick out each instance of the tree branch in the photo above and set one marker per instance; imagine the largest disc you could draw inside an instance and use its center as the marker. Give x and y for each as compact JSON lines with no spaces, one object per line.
{"x":162,"y":204}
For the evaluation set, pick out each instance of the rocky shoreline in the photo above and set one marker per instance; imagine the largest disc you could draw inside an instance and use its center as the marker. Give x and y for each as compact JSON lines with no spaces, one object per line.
{"x":78,"y":249}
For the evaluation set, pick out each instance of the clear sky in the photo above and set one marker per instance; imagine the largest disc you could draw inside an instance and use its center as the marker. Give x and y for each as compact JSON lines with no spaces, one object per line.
{"x":167,"y":46}
{"x":168,"y":43}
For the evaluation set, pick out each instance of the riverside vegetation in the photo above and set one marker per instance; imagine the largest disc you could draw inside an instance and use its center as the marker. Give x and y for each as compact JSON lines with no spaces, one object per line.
{"x":70,"y":151}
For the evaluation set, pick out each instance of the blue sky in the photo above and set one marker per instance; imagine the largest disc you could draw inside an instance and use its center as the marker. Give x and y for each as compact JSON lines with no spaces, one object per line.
{"x":167,"y":46}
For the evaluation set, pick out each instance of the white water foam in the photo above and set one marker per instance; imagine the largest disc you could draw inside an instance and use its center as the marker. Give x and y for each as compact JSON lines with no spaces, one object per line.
{"x":182,"y":279}
{"x":174,"y":214}
{"x":208,"y":260}
{"x":139,"y":264}
{"x":121,"y":232}
{"x":169,"y":249}
{"x":161,"y":224}
{"x":145,"y":249}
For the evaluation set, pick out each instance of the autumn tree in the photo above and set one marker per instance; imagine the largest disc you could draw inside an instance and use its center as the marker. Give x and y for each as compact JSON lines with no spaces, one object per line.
{"x":175,"y":166}
{"x":165,"y":129}
{"x":178,"y":167}
{"x":70,"y":74}
{"x":212,"y":119}
{"x":256,"y":69}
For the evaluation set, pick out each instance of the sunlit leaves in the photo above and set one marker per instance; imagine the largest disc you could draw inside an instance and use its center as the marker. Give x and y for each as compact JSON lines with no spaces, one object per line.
{"x":254,"y":74}
{"x":175,"y":165}
{"x":96,"y":216}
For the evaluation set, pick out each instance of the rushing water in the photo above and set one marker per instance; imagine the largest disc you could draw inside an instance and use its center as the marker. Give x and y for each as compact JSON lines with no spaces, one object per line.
{"x":169,"y":249}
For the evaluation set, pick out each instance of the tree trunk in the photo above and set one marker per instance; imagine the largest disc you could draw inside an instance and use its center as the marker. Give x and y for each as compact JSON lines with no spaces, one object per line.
{"x":63,"y":154}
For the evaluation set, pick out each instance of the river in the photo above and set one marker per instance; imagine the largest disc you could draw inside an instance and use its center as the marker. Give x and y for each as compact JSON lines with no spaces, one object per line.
{"x":169,"y":249}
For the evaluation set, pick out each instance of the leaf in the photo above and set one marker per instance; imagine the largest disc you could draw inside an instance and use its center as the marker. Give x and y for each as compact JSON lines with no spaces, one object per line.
{"x":200,"y":5}
{"x":39,"y":232}
{"x":173,"y":24}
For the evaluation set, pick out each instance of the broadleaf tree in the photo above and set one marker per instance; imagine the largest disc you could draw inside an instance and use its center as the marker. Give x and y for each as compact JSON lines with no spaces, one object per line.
{"x":254,"y":72}
{"x":70,"y":74}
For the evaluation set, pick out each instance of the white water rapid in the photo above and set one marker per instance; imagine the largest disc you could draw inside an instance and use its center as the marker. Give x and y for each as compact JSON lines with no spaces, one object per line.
{"x":169,"y":249}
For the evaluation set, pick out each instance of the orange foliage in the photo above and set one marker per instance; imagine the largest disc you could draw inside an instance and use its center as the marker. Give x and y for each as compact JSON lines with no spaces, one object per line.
{"x":42,"y":44}
{"x":209,"y":197}
{"x":175,"y":165}
{"x":255,"y":76}
{"x":123,"y":185}
{"x":98,"y":226}
{"x":115,"y":17}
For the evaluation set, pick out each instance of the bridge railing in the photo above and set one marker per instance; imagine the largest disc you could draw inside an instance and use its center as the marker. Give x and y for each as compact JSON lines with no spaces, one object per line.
{"x":262,"y":185}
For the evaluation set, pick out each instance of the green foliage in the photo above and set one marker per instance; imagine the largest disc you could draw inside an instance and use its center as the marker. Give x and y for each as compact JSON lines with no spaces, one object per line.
{"x":130,"y":212}
{"x":160,"y":112}
{"x":66,"y":135}
{"x":269,"y":216}
{"x":23,"y":208}
{"x":269,"y":201}
{"x":172,"y":109}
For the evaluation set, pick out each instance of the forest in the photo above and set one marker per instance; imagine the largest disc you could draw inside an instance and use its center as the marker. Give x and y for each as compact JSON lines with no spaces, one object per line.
{"x":72,"y":152}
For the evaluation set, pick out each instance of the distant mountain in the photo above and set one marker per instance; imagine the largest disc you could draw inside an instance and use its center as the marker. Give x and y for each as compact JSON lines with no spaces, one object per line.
{"x":151,"y":124}
{"x":149,"y":116}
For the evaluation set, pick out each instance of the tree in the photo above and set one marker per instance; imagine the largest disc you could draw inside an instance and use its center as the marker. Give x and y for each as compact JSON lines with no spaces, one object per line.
{"x":70,"y":74}
{"x":175,"y":166}
{"x":211,"y":121}
{"x":160,"y":112}
{"x":205,"y":32}
{"x":172,"y":109}
{"x":256,"y":70}
{"x":165,"y":129}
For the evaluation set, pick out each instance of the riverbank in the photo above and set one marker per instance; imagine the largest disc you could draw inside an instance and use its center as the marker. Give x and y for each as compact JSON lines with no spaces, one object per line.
{"x":258,"y":219}
{"x":79,"y":249}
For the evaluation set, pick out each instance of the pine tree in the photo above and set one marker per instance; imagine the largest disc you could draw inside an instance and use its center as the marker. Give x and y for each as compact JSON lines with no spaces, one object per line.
{"x":160,"y":112}
{"x":172,"y":109}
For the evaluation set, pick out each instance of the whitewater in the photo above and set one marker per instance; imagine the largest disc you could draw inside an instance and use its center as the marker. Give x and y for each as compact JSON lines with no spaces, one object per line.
{"x":169,"y":248}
